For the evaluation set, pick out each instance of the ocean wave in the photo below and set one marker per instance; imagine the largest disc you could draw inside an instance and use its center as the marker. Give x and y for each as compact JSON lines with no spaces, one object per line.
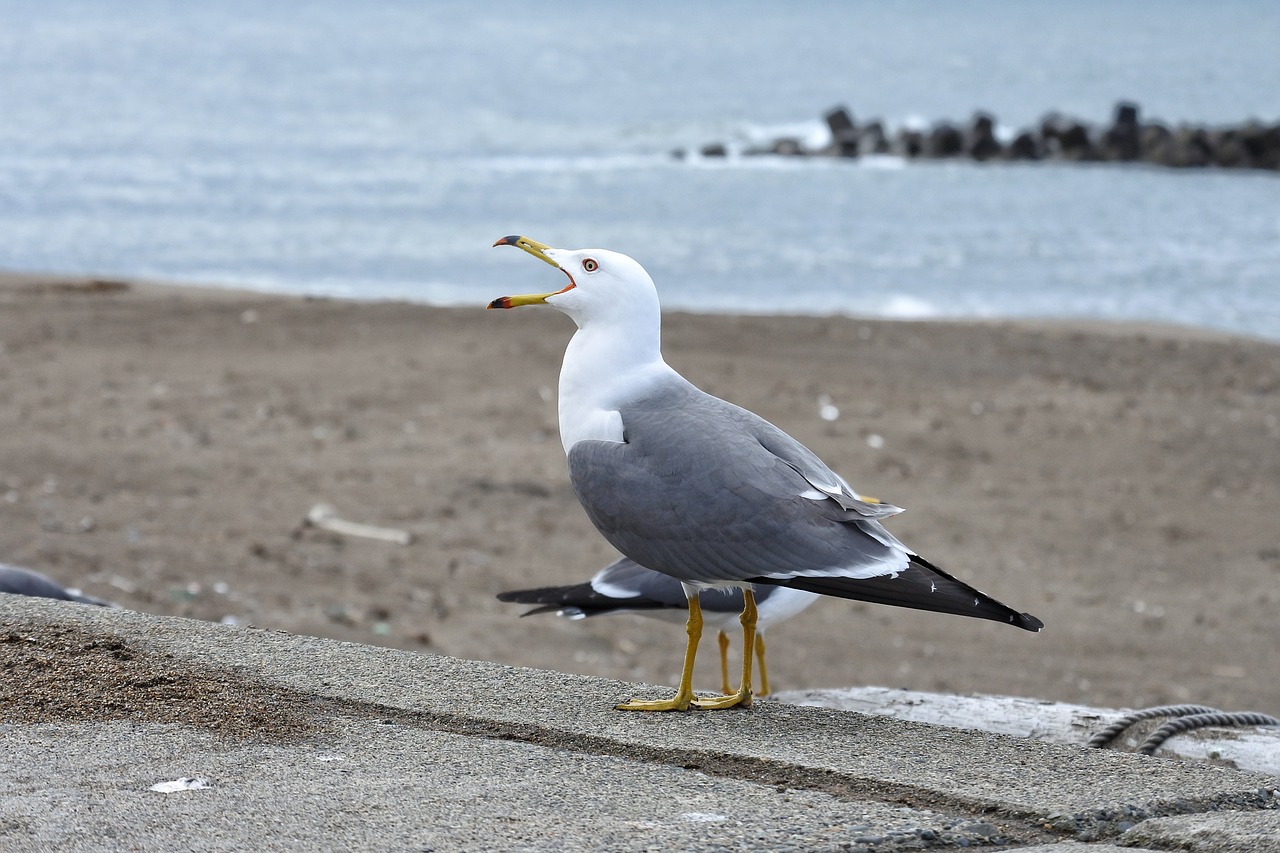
{"x":524,"y":163}
{"x":812,"y":135}
{"x":904,"y":307}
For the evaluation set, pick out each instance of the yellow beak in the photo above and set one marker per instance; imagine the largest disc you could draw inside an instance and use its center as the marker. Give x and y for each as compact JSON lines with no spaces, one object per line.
{"x":539,"y":251}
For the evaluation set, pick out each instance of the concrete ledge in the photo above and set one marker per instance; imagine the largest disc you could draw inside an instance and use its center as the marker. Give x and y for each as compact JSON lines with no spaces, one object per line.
{"x":309,"y":743}
{"x":1224,"y":832}
{"x":1255,"y":748}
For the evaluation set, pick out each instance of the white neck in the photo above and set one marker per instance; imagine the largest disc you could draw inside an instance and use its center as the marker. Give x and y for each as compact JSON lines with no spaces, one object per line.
{"x":602,"y":371}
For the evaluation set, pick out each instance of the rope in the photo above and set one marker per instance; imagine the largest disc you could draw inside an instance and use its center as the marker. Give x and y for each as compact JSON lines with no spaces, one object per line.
{"x":1112,"y":731}
{"x":1199,"y":721}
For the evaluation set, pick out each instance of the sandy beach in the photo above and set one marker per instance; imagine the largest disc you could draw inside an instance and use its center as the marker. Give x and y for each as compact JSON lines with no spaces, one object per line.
{"x":161,"y":446}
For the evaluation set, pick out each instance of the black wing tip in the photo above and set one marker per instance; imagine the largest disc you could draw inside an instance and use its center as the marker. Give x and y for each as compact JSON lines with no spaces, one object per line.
{"x":581,"y":599}
{"x":1026,"y":622}
{"x":557,"y":595}
{"x":922,"y":586}
{"x":546,"y":608}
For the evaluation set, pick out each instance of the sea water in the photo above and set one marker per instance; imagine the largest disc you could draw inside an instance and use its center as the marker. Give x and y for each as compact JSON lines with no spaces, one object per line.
{"x":376,"y":150}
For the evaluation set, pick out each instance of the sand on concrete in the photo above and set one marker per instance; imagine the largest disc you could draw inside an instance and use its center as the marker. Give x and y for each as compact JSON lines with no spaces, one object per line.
{"x":160,"y":446}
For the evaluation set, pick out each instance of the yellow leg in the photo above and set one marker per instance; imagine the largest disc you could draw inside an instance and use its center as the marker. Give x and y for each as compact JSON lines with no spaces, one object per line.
{"x":724,"y":663}
{"x":764,"y":671}
{"x":741,"y":699}
{"x":684,"y":695}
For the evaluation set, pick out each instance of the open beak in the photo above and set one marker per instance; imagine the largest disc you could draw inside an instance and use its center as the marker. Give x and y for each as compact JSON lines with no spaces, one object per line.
{"x":539,"y":251}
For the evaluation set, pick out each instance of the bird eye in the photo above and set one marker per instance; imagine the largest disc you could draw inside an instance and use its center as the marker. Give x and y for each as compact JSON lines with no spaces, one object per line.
{"x":590,"y":265}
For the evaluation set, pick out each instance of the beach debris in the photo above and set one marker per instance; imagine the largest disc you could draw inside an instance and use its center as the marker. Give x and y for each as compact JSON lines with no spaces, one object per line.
{"x":325,"y":517}
{"x":81,"y":285}
{"x":186,"y":783}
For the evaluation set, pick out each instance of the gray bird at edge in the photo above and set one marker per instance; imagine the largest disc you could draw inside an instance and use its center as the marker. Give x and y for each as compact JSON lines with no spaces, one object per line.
{"x":624,"y":586}
{"x":16,"y":580}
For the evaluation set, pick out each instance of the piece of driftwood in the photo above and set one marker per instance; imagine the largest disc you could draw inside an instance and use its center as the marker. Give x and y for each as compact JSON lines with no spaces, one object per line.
{"x":1247,"y":748}
{"x":325,"y":517}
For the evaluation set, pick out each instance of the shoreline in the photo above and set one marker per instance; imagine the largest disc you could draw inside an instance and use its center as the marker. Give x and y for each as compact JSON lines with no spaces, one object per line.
{"x":163,"y":443}
{"x":1093,"y":325}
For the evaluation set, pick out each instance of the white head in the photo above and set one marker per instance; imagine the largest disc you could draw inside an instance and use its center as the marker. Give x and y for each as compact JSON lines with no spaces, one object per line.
{"x":616,"y":353}
{"x":604,"y":287}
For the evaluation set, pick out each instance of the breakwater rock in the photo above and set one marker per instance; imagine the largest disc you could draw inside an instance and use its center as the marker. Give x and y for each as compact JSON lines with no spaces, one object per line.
{"x":1128,"y":139}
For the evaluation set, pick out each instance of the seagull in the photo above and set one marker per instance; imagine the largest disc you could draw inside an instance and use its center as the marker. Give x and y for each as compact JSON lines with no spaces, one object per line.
{"x":625,"y":586}
{"x":16,"y":580}
{"x":704,"y":491}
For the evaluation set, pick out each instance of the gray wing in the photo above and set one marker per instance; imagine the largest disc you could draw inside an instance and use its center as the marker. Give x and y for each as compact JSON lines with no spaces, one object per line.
{"x":620,"y":586}
{"x":707,"y":492}
{"x":626,"y":579}
{"x":625,"y":585}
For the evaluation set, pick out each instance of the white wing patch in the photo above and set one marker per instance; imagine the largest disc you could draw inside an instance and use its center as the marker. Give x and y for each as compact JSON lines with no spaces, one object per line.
{"x":613,"y":590}
{"x":832,"y":489}
{"x":843,"y":494}
{"x":782,"y":603}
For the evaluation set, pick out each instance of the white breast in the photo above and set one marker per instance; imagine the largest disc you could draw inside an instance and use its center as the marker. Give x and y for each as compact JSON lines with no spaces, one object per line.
{"x":600,"y":376}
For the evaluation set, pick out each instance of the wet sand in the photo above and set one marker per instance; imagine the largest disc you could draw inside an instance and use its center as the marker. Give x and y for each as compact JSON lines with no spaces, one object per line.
{"x":161,"y":446}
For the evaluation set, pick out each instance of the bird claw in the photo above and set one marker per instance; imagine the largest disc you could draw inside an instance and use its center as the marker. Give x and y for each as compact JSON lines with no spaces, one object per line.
{"x":741,"y":699}
{"x":676,"y":703}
